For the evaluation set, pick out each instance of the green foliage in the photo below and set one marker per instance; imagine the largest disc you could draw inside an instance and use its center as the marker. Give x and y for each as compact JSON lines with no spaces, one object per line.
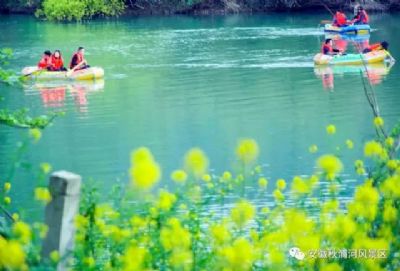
{"x":76,"y":10}
{"x":18,"y":118}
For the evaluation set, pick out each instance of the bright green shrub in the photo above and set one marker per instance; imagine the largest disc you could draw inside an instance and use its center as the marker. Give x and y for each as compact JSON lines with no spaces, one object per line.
{"x":76,"y":10}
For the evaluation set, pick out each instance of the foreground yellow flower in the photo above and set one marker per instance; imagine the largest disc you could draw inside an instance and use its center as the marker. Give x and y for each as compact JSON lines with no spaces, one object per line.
{"x":134,"y":258}
{"x":196,"y":162}
{"x":331,"y":165}
{"x":313,"y":148}
{"x":179,"y":176}
{"x":374,"y":149}
{"x":12,"y":255}
{"x":262,"y":182}
{"x":349,"y":144}
{"x":42,"y":194}
{"x":45,"y":167}
{"x":378,"y":122}
{"x":239,"y":256}
{"x":22,"y":231}
{"x":166,"y":200}
{"x":331,"y":129}
{"x":242,"y":212}
{"x":36,"y":134}
{"x":247,"y":150}
{"x":7,"y":187}
{"x":281,"y":184}
{"x":7,"y":200}
{"x":220,"y":233}
{"x":145,"y":172}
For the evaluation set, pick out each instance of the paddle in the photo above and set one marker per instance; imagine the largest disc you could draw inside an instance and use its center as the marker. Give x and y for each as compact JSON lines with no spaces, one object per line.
{"x":68,"y":74}
{"x":35,"y":71}
{"x":326,"y":21}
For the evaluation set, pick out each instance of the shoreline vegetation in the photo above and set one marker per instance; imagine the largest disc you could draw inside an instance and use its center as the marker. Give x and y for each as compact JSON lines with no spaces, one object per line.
{"x":64,"y":10}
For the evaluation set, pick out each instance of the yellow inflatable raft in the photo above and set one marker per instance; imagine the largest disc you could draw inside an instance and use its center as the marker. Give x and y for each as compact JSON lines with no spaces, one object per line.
{"x":91,"y":73}
{"x":351,"y":59}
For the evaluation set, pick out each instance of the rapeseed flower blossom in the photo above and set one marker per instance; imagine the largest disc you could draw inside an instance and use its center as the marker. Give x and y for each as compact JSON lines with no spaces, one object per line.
{"x":42,"y":194}
{"x":247,"y":150}
{"x":374,"y":149}
{"x":166,"y":200}
{"x":22,"y":232}
{"x":331,"y":129}
{"x":36,"y":134}
{"x":12,"y":255}
{"x":313,"y":148}
{"x":7,"y":187}
{"x":242,"y":213}
{"x":349,"y":144}
{"x":196,"y":162}
{"x":263,"y":183}
{"x":179,"y":176}
{"x":331,"y":165}
{"x":239,"y":256}
{"x":378,"y":122}
{"x":281,"y":184}
{"x":144,"y":172}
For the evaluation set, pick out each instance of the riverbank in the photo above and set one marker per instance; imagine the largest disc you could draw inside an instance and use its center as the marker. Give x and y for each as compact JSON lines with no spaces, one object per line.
{"x":216,"y":7}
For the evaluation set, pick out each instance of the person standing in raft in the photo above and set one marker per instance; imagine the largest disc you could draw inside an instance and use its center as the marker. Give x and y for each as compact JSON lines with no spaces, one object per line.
{"x":78,"y":61}
{"x":361,"y":17}
{"x":327,"y":48}
{"x":57,"y":62}
{"x":45,"y":62}
{"x":339,"y":19}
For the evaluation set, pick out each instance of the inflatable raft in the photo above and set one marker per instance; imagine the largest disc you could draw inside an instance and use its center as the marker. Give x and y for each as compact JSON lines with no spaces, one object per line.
{"x":91,"y":73}
{"x":351,"y":59}
{"x":356,"y":29}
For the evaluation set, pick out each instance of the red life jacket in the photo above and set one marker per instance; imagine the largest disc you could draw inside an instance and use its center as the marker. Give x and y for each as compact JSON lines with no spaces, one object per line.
{"x":79,"y":59}
{"x":44,"y":62}
{"x":57,"y":63}
{"x":326,"y":47}
{"x":375,"y":47}
{"x":340,"y":19}
{"x":364,"y":17}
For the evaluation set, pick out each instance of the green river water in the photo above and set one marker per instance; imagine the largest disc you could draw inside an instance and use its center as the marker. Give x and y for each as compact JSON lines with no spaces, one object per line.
{"x":172,"y":83}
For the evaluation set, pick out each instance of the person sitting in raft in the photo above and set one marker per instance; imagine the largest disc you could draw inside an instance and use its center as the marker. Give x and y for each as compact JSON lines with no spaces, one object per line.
{"x":361,"y":17}
{"x":57,"y":62}
{"x":327,"y":48}
{"x":384,"y":45}
{"x":78,"y":61}
{"x":339,"y":19}
{"x":45,"y":62}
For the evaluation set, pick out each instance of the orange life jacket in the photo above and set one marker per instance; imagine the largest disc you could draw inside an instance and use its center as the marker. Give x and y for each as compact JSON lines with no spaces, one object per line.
{"x":79,"y":59}
{"x":57,"y":63}
{"x":44,"y":62}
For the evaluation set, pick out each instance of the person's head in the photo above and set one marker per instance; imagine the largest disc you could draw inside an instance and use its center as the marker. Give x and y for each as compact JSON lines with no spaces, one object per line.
{"x":47,"y":53}
{"x":360,"y":8}
{"x":81,"y":50}
{"x":57,"y":53}
{"x":328,"y":41}
{"x":385,"y":45}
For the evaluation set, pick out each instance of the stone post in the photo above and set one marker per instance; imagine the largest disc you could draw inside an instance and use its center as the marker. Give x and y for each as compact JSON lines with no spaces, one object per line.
{"x":65,"y":189}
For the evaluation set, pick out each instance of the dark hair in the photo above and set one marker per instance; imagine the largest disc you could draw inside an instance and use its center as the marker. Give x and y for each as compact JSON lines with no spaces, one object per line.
{"x":80,"y":48}
{"x":47,"y":53}
{"x":56,"y":52}
{"x":385,"y":45}
{"x":327,"y":41}
{"x":360,"y":8}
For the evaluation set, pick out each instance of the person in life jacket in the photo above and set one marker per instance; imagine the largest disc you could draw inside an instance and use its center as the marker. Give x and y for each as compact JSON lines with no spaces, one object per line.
{"x":339,"y":19}
{"x":78,"y":61}
{"x":45,"y":62}
{"x":361,"y":17}
{"x":57,"y":62}
{"x":327,"y":48}
{"x":384,"y":45}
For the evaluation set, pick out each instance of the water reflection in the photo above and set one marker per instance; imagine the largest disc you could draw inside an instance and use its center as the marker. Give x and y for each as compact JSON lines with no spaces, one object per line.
{"x":55,"y":94}
{"x":375,"y":73}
